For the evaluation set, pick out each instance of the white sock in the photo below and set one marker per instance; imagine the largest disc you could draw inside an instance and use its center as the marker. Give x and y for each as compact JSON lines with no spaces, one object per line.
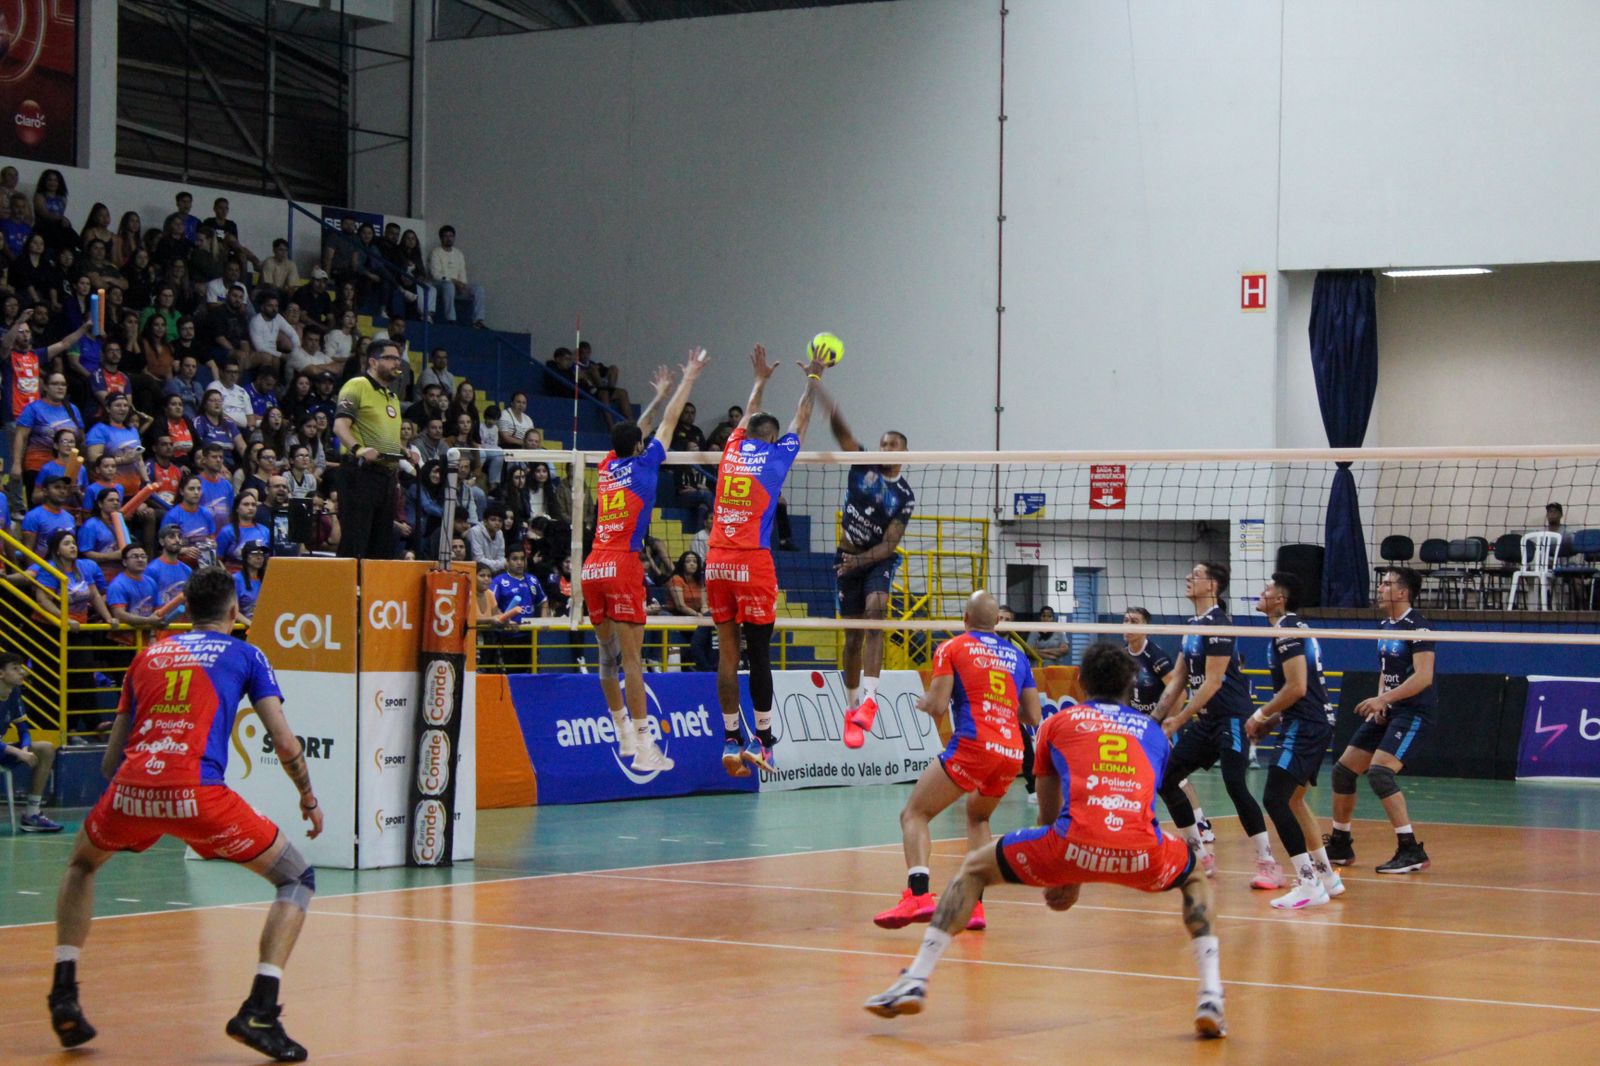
{"x":1306,"y":871}
{"x":1319,"y":859}
{"x":853,"y":696}
{"x":1399,"y":830}
{"x":1263,"y":846}
{"x":1191,"y":833}
{"x":1343,"y":827}
{"x":730,"y":722}
{"x":67,"y":953}
{"x":1206,"y":952}
{"x":869,"y":687}
{"x":934,"y":941}
{"x":1199,"y":816}
{"x":763,"y":721}
{"x":268,"y":970}
{"x":33,"y":804}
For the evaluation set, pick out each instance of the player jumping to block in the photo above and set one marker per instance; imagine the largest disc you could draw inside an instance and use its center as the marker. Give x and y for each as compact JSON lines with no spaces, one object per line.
{"x":1300,"y":701}
{"x":179,"y":700}
{"x":741,"y":580}
{"x":1218,"y":704}
{"x":877,"y":507}
{"x":613,"y":576}
{"x":985,"y":682}
{"x":1098,"y":765}
{"x":1395,"y":717}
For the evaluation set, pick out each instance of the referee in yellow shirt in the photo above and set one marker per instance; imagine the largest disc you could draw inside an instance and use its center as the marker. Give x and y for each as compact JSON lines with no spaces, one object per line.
{"x":367,"y":423}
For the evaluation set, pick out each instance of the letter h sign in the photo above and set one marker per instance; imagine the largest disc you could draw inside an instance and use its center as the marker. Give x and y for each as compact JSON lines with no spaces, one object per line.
{"x":1253,"y":291}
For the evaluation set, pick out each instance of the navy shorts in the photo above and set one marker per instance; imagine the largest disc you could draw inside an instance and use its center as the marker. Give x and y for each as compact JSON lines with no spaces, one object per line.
{"x":857,"y":585}
{"x":1302,"y":746}
{"x":11,"y":762}
{"x":1202,"y":741}
{"x":1396,"y":735}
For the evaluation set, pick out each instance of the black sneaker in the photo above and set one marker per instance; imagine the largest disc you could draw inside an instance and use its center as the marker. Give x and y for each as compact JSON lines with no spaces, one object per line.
{"x":1408,"y":859}
{"x":261,"y":1030}
{"x":67,"y":1019}
{"x":1341,"y":848}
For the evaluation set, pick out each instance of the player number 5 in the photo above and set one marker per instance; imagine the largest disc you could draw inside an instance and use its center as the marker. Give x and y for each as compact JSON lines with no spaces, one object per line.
{"x":997,"y":683}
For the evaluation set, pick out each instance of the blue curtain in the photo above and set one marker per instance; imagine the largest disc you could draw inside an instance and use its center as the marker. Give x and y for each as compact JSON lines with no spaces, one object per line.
{"x":1344,"y":358}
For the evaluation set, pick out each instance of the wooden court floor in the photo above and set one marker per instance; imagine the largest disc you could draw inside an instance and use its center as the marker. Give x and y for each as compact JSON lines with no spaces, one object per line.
{"x":627,"y":955}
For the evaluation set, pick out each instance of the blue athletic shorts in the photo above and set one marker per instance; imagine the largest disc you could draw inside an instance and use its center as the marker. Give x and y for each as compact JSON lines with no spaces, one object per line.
{"x":1397,"y":735}
{"x":1301,"y":748}
{"x":857,"y":585}
{"x":1202,"y":741}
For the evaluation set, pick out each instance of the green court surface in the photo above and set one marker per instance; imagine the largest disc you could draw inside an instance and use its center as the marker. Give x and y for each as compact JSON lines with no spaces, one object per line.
{"x":605,"y":836}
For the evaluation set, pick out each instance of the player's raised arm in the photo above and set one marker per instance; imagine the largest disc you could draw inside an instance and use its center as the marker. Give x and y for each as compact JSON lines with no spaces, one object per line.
{"x":661,"y":385}
{"x":763,"y":371}
{"x":692,"y":367}
{"x":841,"y":430}
{"x":808,"y":399}
{"x":292,"y":757}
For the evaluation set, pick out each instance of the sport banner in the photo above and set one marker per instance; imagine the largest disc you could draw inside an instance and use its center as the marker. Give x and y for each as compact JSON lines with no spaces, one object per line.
{"x":39,"y":80}
{"x":808,"y":720}
{"x":305,"y":623}
{"x":573,"y":744}
{"x":446,"y":627}
{"x":1561,"y":729}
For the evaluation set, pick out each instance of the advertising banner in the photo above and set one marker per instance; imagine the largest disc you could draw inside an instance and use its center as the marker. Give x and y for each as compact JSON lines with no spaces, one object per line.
{"x":573,"y":744}
{"x":808,"y":720}
{"x":305,"y":623}
{"x":446,"y":609}
{"x":39,"y":80}
{"x":1561,"y":729}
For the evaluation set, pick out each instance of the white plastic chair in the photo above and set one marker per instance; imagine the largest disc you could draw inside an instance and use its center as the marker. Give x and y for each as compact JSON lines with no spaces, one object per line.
{"x":1539,"y":552}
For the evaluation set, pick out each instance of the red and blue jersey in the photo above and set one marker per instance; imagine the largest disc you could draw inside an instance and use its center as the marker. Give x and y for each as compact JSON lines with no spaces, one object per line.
{"x":749,"y":479}
{"x":183,"y":693}
{"x":1110,"y":759}
{"x":626,"y":496}
{"x":990,"y":674}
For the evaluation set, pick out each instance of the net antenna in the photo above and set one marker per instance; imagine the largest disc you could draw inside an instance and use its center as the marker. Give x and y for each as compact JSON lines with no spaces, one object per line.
{"x":447,"y":521}
{"x":577,"y":342}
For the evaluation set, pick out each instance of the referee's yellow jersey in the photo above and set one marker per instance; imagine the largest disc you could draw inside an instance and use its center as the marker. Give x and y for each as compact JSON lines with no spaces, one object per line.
{"x":374,"y":414}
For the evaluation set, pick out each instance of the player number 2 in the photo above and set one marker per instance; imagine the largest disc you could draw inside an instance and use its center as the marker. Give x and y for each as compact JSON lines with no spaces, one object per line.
{"x":1113,"y":748}
{"x":177,"y":685}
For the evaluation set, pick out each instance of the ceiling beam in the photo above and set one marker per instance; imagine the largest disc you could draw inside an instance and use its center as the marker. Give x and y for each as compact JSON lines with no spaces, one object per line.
{"x":495,"y":9}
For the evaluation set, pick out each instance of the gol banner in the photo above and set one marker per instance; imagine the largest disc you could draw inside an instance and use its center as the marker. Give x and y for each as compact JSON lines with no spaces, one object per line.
{"x":447,"y":608}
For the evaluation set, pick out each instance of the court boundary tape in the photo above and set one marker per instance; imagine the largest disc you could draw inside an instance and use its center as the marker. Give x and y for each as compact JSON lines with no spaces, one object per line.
{"x":902,"y":956}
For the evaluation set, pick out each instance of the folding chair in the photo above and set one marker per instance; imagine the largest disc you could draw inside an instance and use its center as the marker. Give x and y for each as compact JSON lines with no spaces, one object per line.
{"x":1538,"y":564}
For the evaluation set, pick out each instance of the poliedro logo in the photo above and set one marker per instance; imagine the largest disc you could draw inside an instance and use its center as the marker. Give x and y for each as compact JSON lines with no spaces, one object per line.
{"x":433,"y":763}
{"x":427,"y":832}
{"x":438,"y":692}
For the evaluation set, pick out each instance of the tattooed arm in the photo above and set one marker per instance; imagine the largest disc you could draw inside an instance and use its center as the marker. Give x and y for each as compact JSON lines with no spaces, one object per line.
{"x":292,"y":757}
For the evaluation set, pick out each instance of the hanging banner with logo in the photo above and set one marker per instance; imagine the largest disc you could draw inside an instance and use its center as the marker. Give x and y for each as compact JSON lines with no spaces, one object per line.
{"x":39,"y":80}
{"x":305,"y":623}
{"x":446,"y":620}
{"x":573,"y":744}
{"x":808,"y":720}
{"x":1560,"y":729}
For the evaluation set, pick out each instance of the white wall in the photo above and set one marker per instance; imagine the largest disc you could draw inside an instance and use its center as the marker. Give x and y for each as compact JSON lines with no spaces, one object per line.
{"x":1440,"y":132}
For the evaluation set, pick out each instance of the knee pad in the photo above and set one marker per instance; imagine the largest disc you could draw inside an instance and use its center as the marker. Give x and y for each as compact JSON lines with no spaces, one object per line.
{"x":295,"y":878}
{"x":1382,"y":780}
{"x":610,"y":658}
{"x":1344,"y":780}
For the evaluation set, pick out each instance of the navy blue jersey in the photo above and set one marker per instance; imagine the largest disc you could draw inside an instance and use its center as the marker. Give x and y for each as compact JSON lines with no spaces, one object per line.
{"x":1396,"y":659}
{"x":873,"y":503}
{"x":12,"y":713}
{"x":1154,"y":664}
{"x":1296,"y":644}
{"x":1232,"y":700}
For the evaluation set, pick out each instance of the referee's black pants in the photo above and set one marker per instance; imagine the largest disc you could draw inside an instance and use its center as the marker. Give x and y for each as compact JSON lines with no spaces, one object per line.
{"x":366,"y":513}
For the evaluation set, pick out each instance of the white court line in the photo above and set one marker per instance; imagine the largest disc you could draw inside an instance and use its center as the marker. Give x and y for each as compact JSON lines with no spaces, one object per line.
{"x":1299,"y":921}
{"x":1428,"y":882}
{"x":901,"y":956}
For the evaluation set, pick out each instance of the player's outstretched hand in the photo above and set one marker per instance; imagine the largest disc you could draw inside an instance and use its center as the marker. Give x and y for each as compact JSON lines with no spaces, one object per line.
{"x":758,"y":360}
{"x":814,"y":368}
{"x":661,"y":381}
{"x":694,"y":363}
{"x":312,"y":814}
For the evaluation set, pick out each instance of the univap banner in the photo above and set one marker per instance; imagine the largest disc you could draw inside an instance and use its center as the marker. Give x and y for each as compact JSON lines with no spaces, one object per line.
{"x":1561,"y":728}
{"x":808,"y":720}
{"x":573,"y":744}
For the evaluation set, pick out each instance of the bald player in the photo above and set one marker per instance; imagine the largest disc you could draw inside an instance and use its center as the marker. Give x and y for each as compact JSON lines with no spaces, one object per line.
{"x":984,"y":681}
{"x":877,"y":507}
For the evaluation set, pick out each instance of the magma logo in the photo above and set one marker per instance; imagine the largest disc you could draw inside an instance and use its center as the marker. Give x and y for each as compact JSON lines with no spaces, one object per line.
{"x":427,"y":832}
{"x":599,"y":730}
{"x":433,"y":762}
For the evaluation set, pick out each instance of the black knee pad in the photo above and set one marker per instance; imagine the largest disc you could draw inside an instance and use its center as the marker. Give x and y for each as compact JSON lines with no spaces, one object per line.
{"x":1344,"y":780}
{"x":1382,"y":780}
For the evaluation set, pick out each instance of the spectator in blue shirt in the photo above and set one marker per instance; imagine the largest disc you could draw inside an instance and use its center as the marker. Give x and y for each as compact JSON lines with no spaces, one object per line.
{"x":134,"y":595}
{"x":517,"y":596}
{"x":247,"y":582}
{"x":170,"y":573}
{"x":50,"y":517}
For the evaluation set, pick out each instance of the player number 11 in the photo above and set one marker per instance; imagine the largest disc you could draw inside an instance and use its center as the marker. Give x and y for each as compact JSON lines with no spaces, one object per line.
{"x":177,"y":685}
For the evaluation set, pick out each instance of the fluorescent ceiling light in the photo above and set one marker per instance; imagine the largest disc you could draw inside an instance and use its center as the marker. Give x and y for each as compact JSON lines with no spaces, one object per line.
{"x":1436,"y":272}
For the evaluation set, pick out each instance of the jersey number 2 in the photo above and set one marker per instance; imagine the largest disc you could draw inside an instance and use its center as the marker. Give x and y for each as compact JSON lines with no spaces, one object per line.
{"x":1113,"y":748}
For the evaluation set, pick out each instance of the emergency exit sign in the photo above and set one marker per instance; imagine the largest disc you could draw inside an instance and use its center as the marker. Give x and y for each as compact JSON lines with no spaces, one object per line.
{"x":1253,"y":291}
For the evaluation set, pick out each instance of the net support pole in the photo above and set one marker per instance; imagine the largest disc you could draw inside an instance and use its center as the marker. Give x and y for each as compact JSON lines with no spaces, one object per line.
{"x":575,"y":608}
